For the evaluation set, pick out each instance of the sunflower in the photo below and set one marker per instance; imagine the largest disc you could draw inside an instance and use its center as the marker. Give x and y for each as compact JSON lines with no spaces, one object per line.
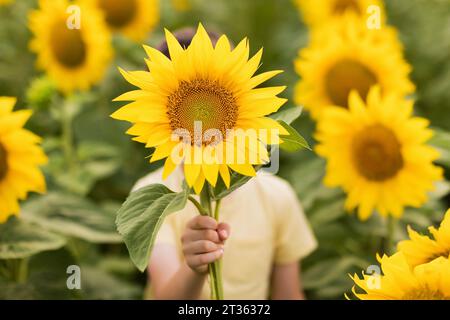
{"x":181,"y":5}
{"x":74,"y":58}
{"x":20,"y":157}
{"x":344,"y":55}
{"x":377,"y":153}
{"x":132,"y":18}
{"x":400,"y":281}
{"x":199,"y":91}
{"x":421,"y":249}
{"x":320,"y":12}
{"x":4,"y":2}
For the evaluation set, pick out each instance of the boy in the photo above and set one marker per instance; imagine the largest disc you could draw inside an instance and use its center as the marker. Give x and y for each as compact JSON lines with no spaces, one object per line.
{"x":263,"y":236}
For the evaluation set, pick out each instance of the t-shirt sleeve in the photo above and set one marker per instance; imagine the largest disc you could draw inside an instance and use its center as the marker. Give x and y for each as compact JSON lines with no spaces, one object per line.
{"x":294,"y":237}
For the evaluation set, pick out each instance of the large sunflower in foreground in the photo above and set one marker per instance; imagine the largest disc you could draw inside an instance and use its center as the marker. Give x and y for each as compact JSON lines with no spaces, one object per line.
{"x":344,"y":55}
{"x":213,"y":86}
{"x":320,"y":12}
{"x":378,"y":154}
{"x":20,"y":158}
{"x":74,"y":58}
{"x":133,"y":18}
{"x":421,"y":249}
{"x":400,"y":281}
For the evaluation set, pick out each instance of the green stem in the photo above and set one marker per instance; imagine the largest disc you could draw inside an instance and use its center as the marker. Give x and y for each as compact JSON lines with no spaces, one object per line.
{"x":67,"y":137}
{"x":215,"y":268}
{"x":390,"y":236}
{"x":199,"y":207}
{"x":16,"y":270}
{"x":216,"y":210}
{"x":22,"y":271}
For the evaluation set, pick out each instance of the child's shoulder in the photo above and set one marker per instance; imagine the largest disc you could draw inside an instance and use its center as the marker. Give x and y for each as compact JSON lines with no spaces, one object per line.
{"x":173,"y":182}
{"x":272,"y":185}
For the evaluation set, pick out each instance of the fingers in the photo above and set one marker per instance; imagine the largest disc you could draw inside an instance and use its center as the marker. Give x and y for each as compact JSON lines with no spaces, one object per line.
{"x":202,"y":260}
{"x":202,"y":222}
{"x":205,"y":234}
{"x":203,"y":242}
{"x":223,"y":230}
{"x":201,"y":246}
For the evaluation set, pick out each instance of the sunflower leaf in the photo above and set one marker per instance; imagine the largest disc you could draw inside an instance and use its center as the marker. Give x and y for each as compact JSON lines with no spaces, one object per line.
{"x":288,"y":115}
{"x":441,"y":141}
{"x":141,"y":216}
{"x":236,"y":181}
{"x":19,"y":239}
{"x":294,"y":141}
{"x":72,"y":216}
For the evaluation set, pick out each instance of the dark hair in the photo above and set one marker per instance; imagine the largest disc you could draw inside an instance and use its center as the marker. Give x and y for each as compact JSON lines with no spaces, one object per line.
{"x":184,"y":37}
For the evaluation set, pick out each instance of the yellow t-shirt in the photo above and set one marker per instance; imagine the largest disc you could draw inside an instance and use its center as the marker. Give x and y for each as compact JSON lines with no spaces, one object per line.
{"x":268,"y":227}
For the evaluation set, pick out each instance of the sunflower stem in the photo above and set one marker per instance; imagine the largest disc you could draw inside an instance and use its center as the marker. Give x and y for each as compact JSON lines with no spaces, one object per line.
{"x":199,"y":207}
{"x":214,"y":269}
{"x":67,"y":136}
{"x":389,"y":246}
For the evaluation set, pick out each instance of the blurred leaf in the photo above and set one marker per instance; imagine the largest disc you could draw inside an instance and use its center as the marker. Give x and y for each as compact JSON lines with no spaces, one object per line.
{"x":141,"y":216}
{"x":19,"y":239}
{"x":72,"y":216}
{"x":96,"y":161}
{"x":441,"y":141}
{"x":327,"y":211}
{"x":294,"y":141}
{"x":288,"y":115}
{"x":46,"y":280}
{"x":327,"y":271}
{"x":98,"y":284}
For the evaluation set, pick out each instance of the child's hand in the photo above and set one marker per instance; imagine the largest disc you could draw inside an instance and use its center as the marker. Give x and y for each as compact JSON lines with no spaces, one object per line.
{"x":203,"y":242}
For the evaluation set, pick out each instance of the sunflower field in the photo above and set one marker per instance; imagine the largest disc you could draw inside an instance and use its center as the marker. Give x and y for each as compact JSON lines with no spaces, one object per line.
{"x":364,"y":97}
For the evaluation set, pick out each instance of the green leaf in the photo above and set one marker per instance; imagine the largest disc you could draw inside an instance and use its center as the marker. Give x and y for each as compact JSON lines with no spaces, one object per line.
{"x":288,"y":115}
{"x":19,"y":239}
{"x":294,"y":141}
{"x":46,"y":280}
{"x":99,"y":284}
{"x":441,"y":141}
{"x":141,"y":216}
{"x":236,"y":181}
{"x":72,"y":216}
{"x":326,"y":272}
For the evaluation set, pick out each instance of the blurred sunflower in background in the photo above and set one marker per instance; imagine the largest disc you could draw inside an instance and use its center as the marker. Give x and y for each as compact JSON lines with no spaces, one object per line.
{"x":211,"y":84}
{"x":421,"y":249}
{"x":378,"y":154}
{"x":20,"y":158}
{"x":181,"y":5}
{"x":345,"y":55}
{"x":400,"y":281}
{"x":3,"y":2}
{"x":75,"y":58}
{"x":320,"y":12}
{"x":132,"y":18}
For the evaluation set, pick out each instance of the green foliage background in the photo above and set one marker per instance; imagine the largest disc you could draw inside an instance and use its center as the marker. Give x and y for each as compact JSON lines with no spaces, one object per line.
{"x":93,"y":164}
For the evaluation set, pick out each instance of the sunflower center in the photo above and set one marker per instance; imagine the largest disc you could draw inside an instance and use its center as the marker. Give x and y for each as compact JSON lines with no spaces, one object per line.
{"x":376,"y":153}
{"x":345,"y":76}
{"x":3,"y":162}
{"x":68,"y":46}
{"x":340,"y":6}
{"x":202,"y":101}
{"x":119,"y":13}
{"x":425,"y":294}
